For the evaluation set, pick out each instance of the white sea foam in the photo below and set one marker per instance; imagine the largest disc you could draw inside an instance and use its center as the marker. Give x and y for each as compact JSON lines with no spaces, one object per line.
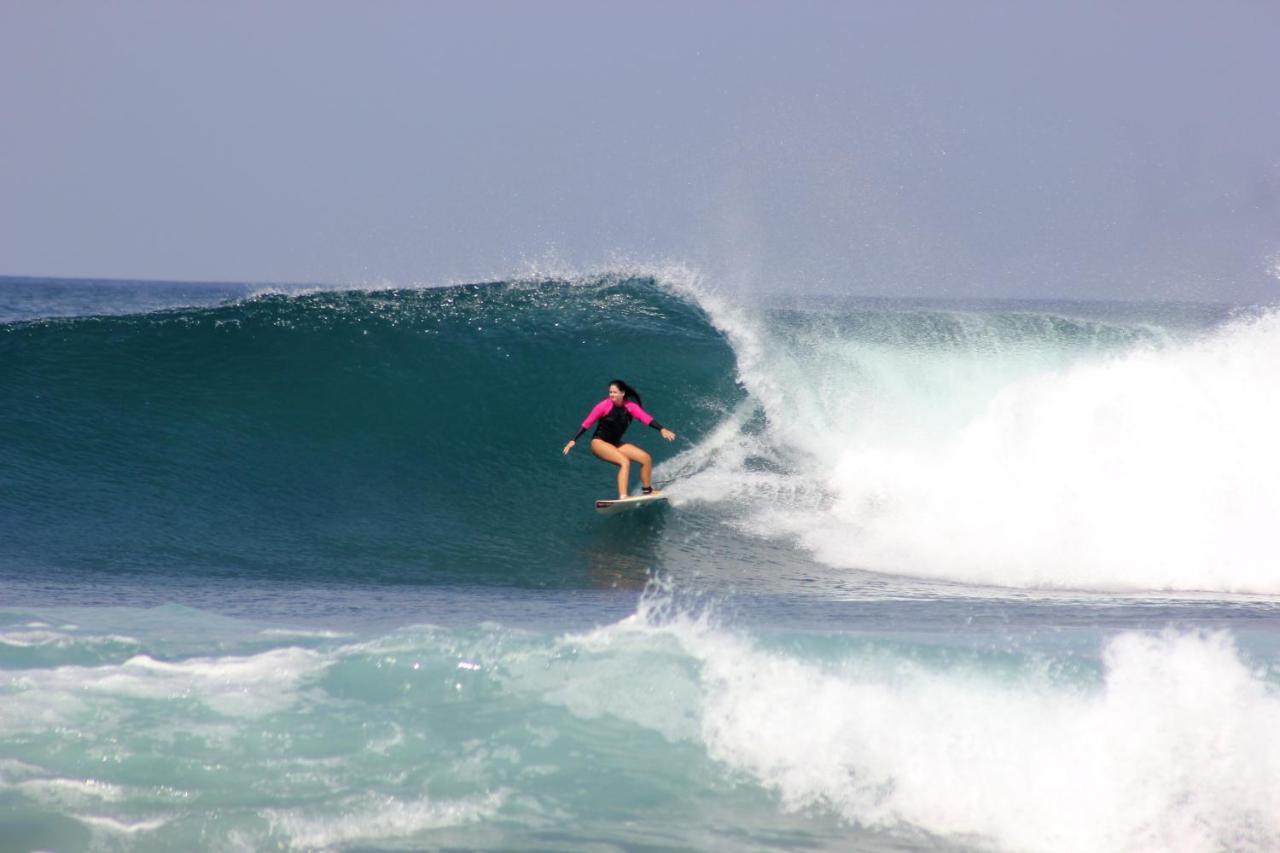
{"x":60,"y":639}
{"x":1165,"y":743}
{"x":71,"y":792}
{"x":303,"y":634}
{"x":374,"y":817}
{"x":1033,"y":462}
{"x":114,"y":826}
{"x":248,"y":686}
{"x":238,"y":686}
{"x":27,"y":639}
{"x":1171,"y":749}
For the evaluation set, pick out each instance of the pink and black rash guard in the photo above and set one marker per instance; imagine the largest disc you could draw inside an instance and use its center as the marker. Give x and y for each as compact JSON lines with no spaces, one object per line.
{"x":612,"y":421}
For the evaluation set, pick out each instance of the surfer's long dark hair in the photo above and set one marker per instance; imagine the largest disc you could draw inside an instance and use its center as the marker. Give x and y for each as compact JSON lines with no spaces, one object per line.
{"x":628,"y":393}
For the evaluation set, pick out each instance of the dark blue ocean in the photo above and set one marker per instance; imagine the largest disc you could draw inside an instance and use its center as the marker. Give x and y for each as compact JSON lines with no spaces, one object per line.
{"x":303,"y":568}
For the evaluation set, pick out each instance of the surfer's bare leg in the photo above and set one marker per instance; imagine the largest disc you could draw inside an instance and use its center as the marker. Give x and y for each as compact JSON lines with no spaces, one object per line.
{"x":606,"y":451}
{"x":635,"y":454}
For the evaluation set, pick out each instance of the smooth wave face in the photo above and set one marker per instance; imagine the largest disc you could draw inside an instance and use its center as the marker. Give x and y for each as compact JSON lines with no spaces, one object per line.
{"x":664,"y":729}
{"x":393,"y":435}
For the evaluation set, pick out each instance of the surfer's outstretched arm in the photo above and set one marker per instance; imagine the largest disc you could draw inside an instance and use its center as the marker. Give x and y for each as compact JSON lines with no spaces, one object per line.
{"x":649,"y":420}
{"x":573,"y":441}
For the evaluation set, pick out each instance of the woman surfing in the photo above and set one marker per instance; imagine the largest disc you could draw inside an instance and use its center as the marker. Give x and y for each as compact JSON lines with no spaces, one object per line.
{"x":612,"y":416}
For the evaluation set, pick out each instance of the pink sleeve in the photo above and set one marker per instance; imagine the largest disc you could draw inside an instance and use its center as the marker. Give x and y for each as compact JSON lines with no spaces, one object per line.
{"x":639,"y":414}
{"x":601,"y":409}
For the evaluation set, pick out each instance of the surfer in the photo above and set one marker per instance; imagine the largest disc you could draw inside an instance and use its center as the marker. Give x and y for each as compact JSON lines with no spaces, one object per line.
{"x":612,"y":416}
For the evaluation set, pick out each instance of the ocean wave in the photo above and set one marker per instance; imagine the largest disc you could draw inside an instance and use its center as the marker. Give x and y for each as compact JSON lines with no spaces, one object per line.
{"x":635,"y":731}
{"x":411,"y":435}
{"x":1031,"y":449}
{"x":406,"y":435}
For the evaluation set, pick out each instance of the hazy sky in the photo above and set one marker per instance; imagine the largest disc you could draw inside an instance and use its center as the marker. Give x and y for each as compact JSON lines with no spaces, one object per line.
{"x":1117,"y":149}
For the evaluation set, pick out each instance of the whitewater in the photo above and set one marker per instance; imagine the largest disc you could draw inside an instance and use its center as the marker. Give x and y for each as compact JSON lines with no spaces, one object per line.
{"x":1023,"y":448}
{"x":934,"y":575}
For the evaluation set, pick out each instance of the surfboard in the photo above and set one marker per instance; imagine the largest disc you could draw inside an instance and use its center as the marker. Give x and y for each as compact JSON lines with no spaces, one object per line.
{"x":627,"y":504}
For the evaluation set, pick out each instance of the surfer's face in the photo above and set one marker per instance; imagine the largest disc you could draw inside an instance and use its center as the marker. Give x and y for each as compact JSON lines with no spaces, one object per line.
{"x":615,"y":395}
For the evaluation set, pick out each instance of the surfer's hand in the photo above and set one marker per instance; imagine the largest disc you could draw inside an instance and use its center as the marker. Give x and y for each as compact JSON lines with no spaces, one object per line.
{"x":668,"y":435}
{"x":568,"y":447}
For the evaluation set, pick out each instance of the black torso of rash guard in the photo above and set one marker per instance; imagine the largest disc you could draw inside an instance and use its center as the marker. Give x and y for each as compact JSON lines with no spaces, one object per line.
{"x":611,"y":427}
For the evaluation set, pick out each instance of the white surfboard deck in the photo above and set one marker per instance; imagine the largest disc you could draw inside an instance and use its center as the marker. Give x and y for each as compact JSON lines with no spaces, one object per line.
{"x":627,"y":504}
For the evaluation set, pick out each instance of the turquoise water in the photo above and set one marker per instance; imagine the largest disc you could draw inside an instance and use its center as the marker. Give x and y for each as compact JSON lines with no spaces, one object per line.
{"x":295,"y":568}
{"x":340,"y":435}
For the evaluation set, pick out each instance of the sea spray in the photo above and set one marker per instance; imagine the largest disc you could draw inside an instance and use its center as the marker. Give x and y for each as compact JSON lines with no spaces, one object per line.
{"x":1028,"y":448}
{"x":1169,"y":752}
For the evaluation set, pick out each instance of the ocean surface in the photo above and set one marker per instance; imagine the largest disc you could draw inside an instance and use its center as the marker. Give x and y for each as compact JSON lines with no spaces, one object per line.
{"x":303,"y":568}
